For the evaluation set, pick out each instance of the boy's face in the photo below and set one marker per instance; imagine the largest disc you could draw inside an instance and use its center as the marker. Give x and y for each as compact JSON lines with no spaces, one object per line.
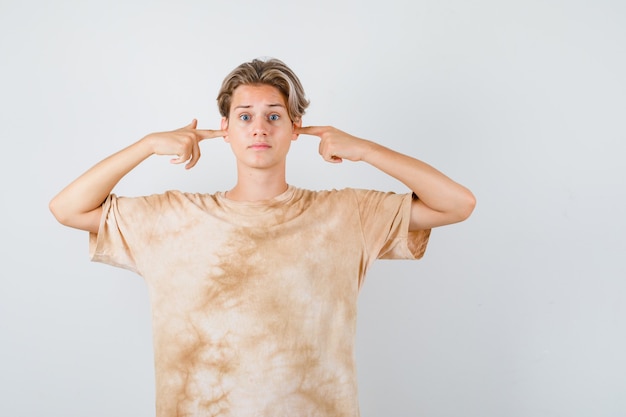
{"x":258,"y":128}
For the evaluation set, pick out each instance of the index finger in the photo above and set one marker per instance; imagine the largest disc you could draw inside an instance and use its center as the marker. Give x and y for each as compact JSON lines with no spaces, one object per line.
{"x":210,"y":134}
{"x":311,"y":130}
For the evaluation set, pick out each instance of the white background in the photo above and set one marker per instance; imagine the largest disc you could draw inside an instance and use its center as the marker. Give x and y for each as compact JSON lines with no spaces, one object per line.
{"x":519,"y":311}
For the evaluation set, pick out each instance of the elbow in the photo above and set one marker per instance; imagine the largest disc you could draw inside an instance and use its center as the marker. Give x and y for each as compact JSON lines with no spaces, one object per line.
{"x":466,"y":205}
{"x":66,"y":213}
{"x":54,"y":209}
{"x":57,"y":211}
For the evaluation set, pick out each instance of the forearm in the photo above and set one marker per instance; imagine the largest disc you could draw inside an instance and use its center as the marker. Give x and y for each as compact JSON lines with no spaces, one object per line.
{"x":434,"y":189}
{"x":87,"y":193}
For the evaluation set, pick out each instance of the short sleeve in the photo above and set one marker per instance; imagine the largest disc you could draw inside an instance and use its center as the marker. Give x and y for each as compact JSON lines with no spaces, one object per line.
{"x":385,"y":219}
{"x":124,"y":229}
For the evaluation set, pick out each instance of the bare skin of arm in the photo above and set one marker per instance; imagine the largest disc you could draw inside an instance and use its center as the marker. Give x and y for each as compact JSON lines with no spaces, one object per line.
{"x":441,"y":200}
{"x":79,"y":205}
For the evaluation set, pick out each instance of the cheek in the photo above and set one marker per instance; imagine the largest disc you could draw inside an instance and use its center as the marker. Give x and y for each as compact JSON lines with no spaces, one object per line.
{"x":236,"y":132}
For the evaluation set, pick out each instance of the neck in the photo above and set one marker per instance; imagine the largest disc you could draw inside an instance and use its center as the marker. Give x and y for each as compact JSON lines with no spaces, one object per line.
{"x":258,"y":186}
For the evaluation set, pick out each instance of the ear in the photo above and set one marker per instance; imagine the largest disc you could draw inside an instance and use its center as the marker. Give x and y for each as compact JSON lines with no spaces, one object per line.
{"x":224,"y":126}
{"x":296,"y":124}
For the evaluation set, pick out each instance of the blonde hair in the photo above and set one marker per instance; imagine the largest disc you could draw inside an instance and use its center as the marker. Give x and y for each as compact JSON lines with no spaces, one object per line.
{"x":265,"y":72}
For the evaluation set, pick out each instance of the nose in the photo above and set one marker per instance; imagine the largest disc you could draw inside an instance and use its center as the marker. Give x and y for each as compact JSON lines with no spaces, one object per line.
{"x":260,"y":127}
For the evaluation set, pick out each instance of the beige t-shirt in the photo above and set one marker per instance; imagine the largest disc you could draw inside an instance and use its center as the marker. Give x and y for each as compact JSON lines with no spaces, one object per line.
{"x":254,"y":304}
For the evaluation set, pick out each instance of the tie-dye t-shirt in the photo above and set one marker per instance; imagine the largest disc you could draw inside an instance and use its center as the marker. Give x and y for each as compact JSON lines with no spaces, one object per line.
{"x":254,"y":304}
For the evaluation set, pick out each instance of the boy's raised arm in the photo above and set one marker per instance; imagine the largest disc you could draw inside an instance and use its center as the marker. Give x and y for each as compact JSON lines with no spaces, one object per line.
{"x":440,"y":201}
{"x":79,"y":205}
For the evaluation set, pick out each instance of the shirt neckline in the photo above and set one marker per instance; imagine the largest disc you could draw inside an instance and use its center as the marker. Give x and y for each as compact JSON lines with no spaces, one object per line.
{"x":277,"y":200}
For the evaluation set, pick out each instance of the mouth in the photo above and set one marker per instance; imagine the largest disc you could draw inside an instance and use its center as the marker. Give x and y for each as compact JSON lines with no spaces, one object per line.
{"x":259,"y":146}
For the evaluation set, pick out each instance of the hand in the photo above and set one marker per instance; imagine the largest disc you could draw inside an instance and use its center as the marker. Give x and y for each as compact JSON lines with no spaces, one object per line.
{"x":182,"y":142}
{"x":336,"y":145}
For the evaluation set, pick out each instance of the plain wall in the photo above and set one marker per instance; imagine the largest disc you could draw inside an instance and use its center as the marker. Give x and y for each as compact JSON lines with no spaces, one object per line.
{"x":516,"y":312}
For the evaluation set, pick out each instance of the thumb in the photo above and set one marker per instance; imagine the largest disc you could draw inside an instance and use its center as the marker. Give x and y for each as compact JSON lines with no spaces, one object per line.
{"x":192,"y":125}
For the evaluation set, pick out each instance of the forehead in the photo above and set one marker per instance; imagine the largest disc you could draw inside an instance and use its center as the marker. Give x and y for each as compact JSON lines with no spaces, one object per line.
{"x":257,"y":95}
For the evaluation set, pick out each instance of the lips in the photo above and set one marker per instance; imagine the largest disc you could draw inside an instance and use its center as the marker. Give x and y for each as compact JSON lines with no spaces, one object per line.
{"x":259,"y":146}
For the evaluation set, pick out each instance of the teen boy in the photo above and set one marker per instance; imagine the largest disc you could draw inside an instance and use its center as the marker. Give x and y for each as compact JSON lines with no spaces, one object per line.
{"x":254,"y":290}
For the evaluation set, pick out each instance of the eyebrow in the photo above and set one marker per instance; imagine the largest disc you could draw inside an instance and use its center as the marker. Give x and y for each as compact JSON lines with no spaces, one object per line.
{"x":249,"y":106}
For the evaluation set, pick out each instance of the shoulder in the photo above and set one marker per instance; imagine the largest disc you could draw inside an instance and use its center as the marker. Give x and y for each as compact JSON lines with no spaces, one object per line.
{"x":169,"y":198}
{"x":333,"y":192}
{"x":352,"y":194}
{"x":326,"y":195}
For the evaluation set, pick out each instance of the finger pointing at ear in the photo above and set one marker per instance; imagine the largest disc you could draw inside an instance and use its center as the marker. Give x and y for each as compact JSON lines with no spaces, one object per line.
{"x":312,"y":130}
{"x":336,"y":145}
{"x":210,"y":134}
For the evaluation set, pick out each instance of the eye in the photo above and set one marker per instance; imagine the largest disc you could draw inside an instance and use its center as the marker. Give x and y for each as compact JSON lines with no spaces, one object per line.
{"x":274,"y":117}
{"x":244,"y":117}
